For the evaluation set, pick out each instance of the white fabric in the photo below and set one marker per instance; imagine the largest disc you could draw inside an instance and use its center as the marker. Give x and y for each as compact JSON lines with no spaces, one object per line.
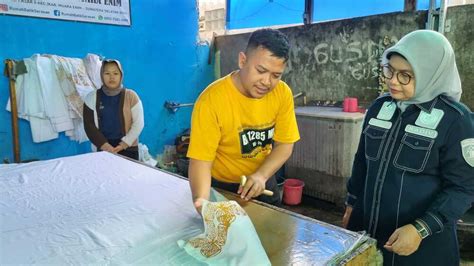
{"x":74,"y":81}
{"x":96,"y":208}
{"x":28,"y":92}
{"x":75,"y":84}
{"x":41,"y":129}
{"x":93,"y":64}
{"x":91,"y":101}
{"x":65,"y":79}
{"x":229,"y":237}
{"x":144,"y":155}
{"x":102,"y":209}
{"x":56,"y":107}
{"x":51,"y":95}
{"x":61,"y":69}
{"x":31,"y":105}
{"x":138,"y":123}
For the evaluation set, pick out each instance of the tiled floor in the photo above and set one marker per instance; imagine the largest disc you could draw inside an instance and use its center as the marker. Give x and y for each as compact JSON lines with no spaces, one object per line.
{"x":329,"y":213}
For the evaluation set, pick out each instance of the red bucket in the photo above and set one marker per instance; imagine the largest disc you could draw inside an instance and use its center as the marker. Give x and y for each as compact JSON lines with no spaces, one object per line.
{"x":292,"y":191}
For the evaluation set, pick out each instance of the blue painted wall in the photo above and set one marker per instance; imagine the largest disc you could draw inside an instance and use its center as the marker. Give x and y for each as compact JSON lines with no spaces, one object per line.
{"x":160,"y":54}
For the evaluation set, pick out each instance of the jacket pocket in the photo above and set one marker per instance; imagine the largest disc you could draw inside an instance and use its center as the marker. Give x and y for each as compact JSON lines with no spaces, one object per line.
{"x":413,"y":153}
{"x":374,"y":140}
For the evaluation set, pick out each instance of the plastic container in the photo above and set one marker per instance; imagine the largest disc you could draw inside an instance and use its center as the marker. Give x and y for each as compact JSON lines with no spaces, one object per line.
{"x":350,"y":105}
{"x":292,"y":191}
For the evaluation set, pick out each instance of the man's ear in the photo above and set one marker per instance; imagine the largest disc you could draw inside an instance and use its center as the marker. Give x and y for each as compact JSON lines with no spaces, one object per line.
{"x":242,"y":59}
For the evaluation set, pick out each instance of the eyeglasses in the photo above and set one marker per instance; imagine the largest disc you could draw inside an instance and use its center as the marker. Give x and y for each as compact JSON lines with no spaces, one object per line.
{"x":402,"y":77}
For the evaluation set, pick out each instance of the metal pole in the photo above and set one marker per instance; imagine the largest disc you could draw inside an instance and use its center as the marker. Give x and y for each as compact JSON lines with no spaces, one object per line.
{"x":173,"y":106}
{"x":442,"y":16}
{"x":308,"y":12}
{"x":410,"y":5}
{"x":431,"y":15}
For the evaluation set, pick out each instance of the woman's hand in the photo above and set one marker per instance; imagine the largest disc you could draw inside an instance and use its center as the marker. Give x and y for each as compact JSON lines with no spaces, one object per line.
{"x":107,"y":147}
{"x":120,"y":147}
{"x":347,"y":216}
{"x":404,"y":241}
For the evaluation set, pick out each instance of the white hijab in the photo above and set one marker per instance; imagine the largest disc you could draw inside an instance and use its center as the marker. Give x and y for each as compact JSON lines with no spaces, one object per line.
{"x":432,"y":58}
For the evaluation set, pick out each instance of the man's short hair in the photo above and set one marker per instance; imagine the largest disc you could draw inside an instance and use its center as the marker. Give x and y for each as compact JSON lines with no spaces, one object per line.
{"x":273,"y":40}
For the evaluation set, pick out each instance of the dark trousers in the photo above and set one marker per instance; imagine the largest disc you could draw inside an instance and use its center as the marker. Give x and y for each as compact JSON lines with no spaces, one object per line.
{"x":271,"y":185}
{"x":130,"y":152}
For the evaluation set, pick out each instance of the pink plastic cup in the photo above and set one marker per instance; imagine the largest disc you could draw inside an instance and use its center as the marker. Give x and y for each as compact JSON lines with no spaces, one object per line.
{"x":353,"y":105}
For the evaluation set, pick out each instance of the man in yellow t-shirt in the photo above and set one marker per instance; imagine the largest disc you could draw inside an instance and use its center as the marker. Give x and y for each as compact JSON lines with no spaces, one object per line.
{"x":244,"y":124}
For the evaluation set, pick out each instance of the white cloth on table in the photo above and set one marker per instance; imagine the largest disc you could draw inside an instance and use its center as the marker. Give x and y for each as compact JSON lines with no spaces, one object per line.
{"x":102,"y":209}
{"x":96,"y":208}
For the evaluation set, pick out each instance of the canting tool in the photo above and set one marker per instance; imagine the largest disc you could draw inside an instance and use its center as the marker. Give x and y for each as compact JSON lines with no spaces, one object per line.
{"x":243,"y":180}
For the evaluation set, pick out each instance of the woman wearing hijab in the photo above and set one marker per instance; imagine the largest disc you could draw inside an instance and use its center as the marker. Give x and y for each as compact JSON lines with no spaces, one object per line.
{"x":413,"y":173}
{"x":113,"y":115}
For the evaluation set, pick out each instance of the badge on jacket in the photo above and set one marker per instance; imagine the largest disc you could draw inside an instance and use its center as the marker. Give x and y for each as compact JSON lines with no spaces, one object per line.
{"x":387,"y":111}
{"x":430,"y":120}
{"x":467,"y":146}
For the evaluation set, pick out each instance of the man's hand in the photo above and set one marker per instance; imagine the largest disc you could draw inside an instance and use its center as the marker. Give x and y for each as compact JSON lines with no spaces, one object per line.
{"x":107,"y":147}
{"x":404,"y":241}
{"x":199,"y":174}
{"x":347,"y":216}
{"x":253,"y":188}
{"x":198,"y":205}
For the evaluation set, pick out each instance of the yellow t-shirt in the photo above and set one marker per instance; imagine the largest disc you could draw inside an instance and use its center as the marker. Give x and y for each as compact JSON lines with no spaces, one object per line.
{"x":236,"y":132}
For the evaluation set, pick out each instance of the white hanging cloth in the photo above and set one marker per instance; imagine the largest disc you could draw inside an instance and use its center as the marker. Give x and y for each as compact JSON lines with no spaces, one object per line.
{"x":51,"y":94}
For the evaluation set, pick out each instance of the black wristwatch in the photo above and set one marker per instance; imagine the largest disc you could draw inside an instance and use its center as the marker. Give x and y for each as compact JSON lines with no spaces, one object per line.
{"x":421,"y":229}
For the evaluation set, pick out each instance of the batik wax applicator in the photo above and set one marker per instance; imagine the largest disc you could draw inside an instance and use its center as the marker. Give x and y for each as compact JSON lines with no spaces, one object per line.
{"x":243,"y":181}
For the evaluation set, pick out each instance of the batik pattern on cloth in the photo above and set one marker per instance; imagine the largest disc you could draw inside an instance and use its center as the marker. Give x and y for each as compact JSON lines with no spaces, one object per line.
{"x":217,"y":220}
{"x":229,"y":237}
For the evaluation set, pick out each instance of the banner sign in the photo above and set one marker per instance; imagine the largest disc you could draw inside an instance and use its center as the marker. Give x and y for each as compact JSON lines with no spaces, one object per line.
{"x":115,"y":12}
